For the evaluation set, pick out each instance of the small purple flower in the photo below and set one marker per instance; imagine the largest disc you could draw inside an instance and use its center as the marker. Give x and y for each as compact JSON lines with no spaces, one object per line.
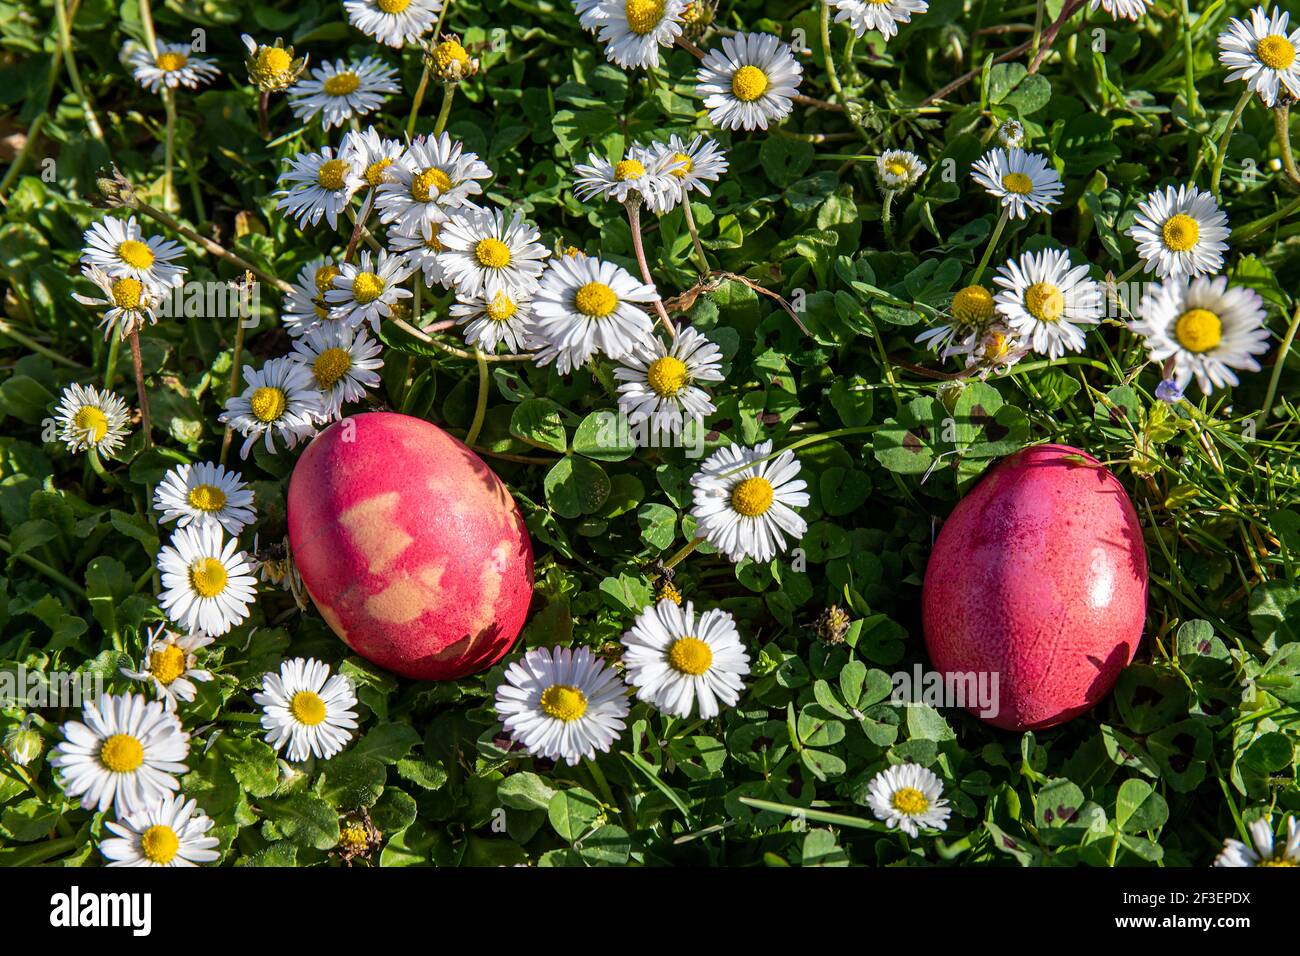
{"x":1168,"y":391}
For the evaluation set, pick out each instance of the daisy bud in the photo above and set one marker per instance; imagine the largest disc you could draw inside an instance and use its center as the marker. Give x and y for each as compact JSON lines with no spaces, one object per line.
{"x":115,"y":188}
{"x":832,"y":624}
{"x":696,"y":17}
{"x":272,"y":67}
{"x":450,"y":62}
{"x":22,"y":744}
{"x":665,"y":590}
{"x":1011,"y":133}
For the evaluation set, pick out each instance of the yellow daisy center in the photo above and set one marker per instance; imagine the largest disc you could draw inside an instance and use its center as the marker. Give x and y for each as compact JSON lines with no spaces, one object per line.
{"x":595,"y":299}
{"x":330,"y":366}
{"x":448,"y":52}
{"x":208,"y":577}
{"x":1017,"y":183}
{"x":563,"y":702}
{"x":629,"y":169}
{"x":93,"y":422}
{"x":973,"y":305}
{"x":910,"y":801}
{"x":896,"y":168}
{"x":748,"y":83}
{"x":492,"y":253}
{"x":268,"y":403}
{"x":1278,"y":861}
{"x":684,"y":165}
{"x":167,"y":663}
{"x":207,"y":498}
{"x":353,"y":835}
{"x":666,"y":376}
{"x":690,"y":655}
{"x":341,"y":84}
{"x":273,"y":60}
{"x":332,"y":174}
{"x":307,"y":708}
{"x":393,"y":6}
{"x":433,"y":242}
{"x":1044,"y":302}
{"x":1275,"y":52}
{"x":325,"y":277}
{"x":376,"y":170}
{"x":668,"y":592}
{"x":501,"y":308}
{"x":367,"y":287}
{"x":135,"y":254}
{"x":752,"y":497}
{"x":126,"y":292}
{"x":121,"y":753}
{"x":643,"y":15}
{"x":1198,"y":330}
{"x":170,"y":62}
{"x":159,"y":844}
{"x":1180,"y":232}
{"x":423,"y":185}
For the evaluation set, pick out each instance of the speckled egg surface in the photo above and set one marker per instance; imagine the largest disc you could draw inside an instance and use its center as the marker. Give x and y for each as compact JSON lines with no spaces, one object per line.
{"x":1040,"y":575}
{"x":411,"y":548}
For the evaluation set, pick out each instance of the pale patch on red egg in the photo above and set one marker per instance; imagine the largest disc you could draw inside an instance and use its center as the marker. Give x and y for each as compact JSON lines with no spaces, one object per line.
{"x":373,"y":528}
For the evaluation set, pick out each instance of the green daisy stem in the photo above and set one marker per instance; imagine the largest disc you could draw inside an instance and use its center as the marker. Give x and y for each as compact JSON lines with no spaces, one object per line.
{"x":701,"y":259}
{"x":97,"y":466}
{"x":419,"y":99}
{"x":1221,"y":153}
{"x":9,"y":332}
{"x":680,"y":556}
{"x":170,"y":201}
{"x":1282,"y":354}
{"x":74,"y":77}
{"x":1252,"y":229}
{"x":359,"y":225}
{"x":444,"y":112}
{"x":602,"y":785}
{"x":633,"y":207}
{"x":886,"y":216}
{"x":1282,"y":128}
{"x":33,"y":136}
{"x":831,"y":74}
{"x":1037,"y":39}
{"x":1189,"y":62}
{"x":110,"y":364}
{"x":988,"y":250}
{"x":141,"y":393}
{"x":58,"y":577}
{"x":236,"y":368}
{"x":480,"y":408}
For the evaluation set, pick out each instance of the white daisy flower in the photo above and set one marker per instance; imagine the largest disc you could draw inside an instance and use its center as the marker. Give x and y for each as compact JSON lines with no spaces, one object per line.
{"x":744,"y":506}
{"x":483,"y":253}
{"x":275,"y":566}
{"x":1205,"y":328}
{"x":207,"y":582}
{"x":584,"y":306}
{"x":562,"y":704}
{"x":899,"y":168}
{"x":170,"y":665}
{"x":1011,"y":133}
{"x":120,"y":249}
{"x":993,"y":349}
{"x":1023,"y":182}
{"x":748,"y":83}
{"x":1180,"y":232}
{"x":489,"y":322}
{"x":126,"y":755}
{"x":174,"y":66}
{"x":340,"y":90}
{"x":89,"y":418}
{"x":304,"y":305}
{"x":692,"y":166}
{"x":317,"y":185}
{"x":278,"y":399}
{"x":642,"y":172}
{"x":343,"y":361}
{"x":308,"y":709}
{"x":1045,"y":301}
{"x":1263,"y":54}
{"x":1122,"y":9}
{"x":394,"y":22}
{"x":590,"y":13}
{"x":434,"y":179}
{"x":423,"y":250}
{"x":908,"y":797}
{"x":128,"y":303}
{"x":172,"y":832}
{"x":971,"y":311}
{"x":367,"y":290}
{"x":677,"y":662}
{"x":373,"y":155}
{"x":203,"y":494}
{"x":634,"y":30}
{"x":883,"y":16}
{"x":1265,"y":851}
{"x":659,"y":381}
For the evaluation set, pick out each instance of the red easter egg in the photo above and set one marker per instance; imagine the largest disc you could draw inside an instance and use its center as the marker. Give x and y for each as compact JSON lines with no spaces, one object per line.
{"x":410,"y":546}
{"x":1040,"y":576}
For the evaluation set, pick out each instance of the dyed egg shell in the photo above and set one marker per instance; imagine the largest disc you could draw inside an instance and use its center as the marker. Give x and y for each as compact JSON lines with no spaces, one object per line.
{"x":1040,"y":575}
{"x":410,"y":546}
